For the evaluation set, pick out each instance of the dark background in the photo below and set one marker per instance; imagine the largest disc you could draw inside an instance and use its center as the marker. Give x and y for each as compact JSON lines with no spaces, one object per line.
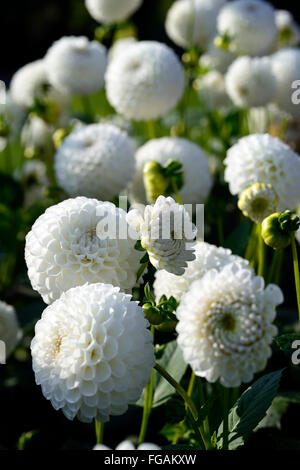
{"x":29,"y":27}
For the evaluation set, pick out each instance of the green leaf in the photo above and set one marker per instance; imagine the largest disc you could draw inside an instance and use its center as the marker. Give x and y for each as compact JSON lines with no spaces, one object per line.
{"x":250,"y":409}
{"x":285,"y":343}
{"x":237,"y":240}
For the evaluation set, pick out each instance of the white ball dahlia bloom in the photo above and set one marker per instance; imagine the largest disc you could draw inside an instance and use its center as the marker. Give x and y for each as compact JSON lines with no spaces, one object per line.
{"x":31,"y":82}
{"x":207,"y":257}
{"x":193,"y":23}
{"x":250,"y":82}
{"x":197,"y":178}
{"x":250,"y":25}
{"x":288,"y":29}
{"x":127,"y":445}
{"x":92,"y":353}
{"x":261,"y":158}
{"x":76,"y":66}
{"x":10,"y":332}
{"x":225,"y":325}
{"x":95,"y":161}
{"x":216,"y":58}
{"x":212,"y":91}
{"x":64,"y":249}
{"x":165,"y":229}
{"x":112,"y":11}
{"x":286,"y":68}
{"x":145,"y":81}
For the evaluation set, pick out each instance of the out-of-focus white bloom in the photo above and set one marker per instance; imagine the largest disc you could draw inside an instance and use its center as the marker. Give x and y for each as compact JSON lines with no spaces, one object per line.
{"x":63,"y":249}
{"x":216,"y":58}
{"x":225,"y":325}
{"x":32,"y":171}
{"x":197,"y":178}
{"x":76,"y":65}
{"x":127,"y":445}
{"x":95,"y":161}
{"x":145,"y":82}
{"x":250,"y":25}
{"x":120,"y":46}
{"x":31,"y":82}
{"x":111,"y":11}
{"x":11,"y":119}
{"x":165,"y":229}
{"x":10,"y":332}
{"x":265,"y":159}
{"x":286,"y":67}
{"x":212,"y":91}
{"x":258,"y":202}
{"x":250,"y":82}
{"x":92,"y":353}
{"x":288,"y":29}
{"x":36,"y":137}
{"x":193,"y":22}
{"x":207,"y":257}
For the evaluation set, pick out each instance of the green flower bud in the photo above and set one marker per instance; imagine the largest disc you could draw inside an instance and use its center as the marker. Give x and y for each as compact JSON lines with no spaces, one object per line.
{"x":273,"y":234}
{"x":223,"y":42}
{"x":153,"y":314}
{"x":155,"y":181}
{"x":258,"y":202}
{"x":289,"y":222}
{"x":59,"y":136}
{"x":167,"y":326}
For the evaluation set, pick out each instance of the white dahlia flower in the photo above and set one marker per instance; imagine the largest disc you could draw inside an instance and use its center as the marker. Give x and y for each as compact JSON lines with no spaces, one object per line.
{"x":36,"y":137}
{"x":264,"y":159}
{"x":92,"y":353}
{"x":127,"y":445}
{"x":10,"y":332}
{"x":250,"y":82}
{"x":212,"y":91}
{"x":250,"y":25}
{"x":95,"y":161}
{"x":64,"y":250}
{"x":11,"y":120}
{"x":193,"y":22}
{"x":216,"y":58}
{"x":258,"y":202}
{"x":225,"y":325}
{"x":76,"y":65}
{"x":120,"y":46}
{"x":207,"y":257}
{"x":288,"y":29}
{"x":286,"y":67}
{"x":31,"y":82}
{"x":197,"y":178}
{"x":145,"y":82}
{"x":165,"y":229}
{"x":111,"y":11}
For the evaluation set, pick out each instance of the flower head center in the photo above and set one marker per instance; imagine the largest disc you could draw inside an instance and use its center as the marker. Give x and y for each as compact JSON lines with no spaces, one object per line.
{"x":228,"y":322}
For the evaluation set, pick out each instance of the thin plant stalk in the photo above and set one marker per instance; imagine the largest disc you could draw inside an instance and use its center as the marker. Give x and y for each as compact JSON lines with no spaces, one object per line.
{"x":147,"y":405}
{"x":99,"y":428}
{"x":296,"y":272}
{"x":151,"y":129}
{"x":261,"y":252}
{"x":176,"y":192}
{"x":225,"y":417}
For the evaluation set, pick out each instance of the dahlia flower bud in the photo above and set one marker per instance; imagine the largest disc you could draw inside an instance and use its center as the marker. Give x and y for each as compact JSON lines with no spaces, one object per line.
{"x":195,"y":167}
{"x":263,"y":158}
{"x":250,"y":82}
{"x":111,"y":11}
{"x":164,"y":230}
{"x":193,"y":23}
{"x":286,"y":66}
{"x":76,"y":66}
{"x":64,"y":250}
{"x":278,"y":228}
{"x":155,"y":181}
{"x":258,"y":202}
{"x":127,"y":445}
{"x":145,"y":82}
{"x":216,"y":58}
{"x":250,"y":25}
{"x":95,"y":161}
{"x":225,"y":325}
{"x":207,"y":257}
{"x":92,"y":353}
{"x":10,"y":332}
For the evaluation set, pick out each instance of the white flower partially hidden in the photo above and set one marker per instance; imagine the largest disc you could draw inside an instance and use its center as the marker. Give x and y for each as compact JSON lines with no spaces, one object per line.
{"x":225,"y":325}
{"x":112,"y":11}
{"x":92,"y":353}
{"x":10,"y":332}
{"x":64,"y":250}
{"x":76,"y":66}
{"x":286,"y":66}
{"x":165,"y":229}
{"x":127,"y":445}
{"x":265,"y":159}
{"x":288,"y":29}
{"x":207,"y":257}
{"x":216,"y":58}
{"x":212,"y":92}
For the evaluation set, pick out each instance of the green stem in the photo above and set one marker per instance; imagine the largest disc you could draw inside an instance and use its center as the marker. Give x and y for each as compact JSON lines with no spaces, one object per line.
{"x":141,"y":271}
{"x":220,"y":230}
{"x":251,"y":244}
{"x":275,"y":266}
{"x":147,"y":405}
{"x":151,"y":128}
{"x":87,"y":108}
{"x":99,"y":428}
{"x":176,"y":192}
{"x":225,"y":417}
{"x":296,"y":272}
{"x":202,"y":401}
{"x":191,"y":384}
{"x":261,"y":252}
{"x":8,"y":158}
